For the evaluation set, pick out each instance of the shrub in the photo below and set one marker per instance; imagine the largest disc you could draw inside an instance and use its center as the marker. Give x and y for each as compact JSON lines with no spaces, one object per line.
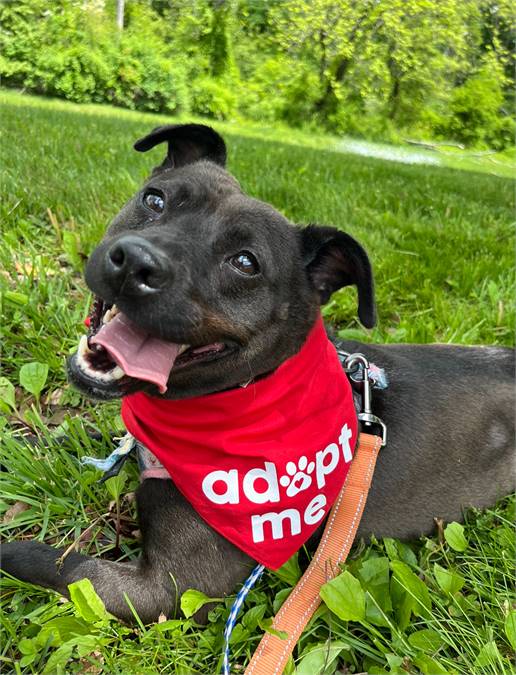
{"x":301,"y":96}
{"x":476,"y":109}
{"x":264,"y":98}
{"x":213,"y":98}
{"x":76,"y":73}
{"x":280,"y":89}
{"x":73,"y":53}
{"x":146,"y":79}
{"x":54,"y":50}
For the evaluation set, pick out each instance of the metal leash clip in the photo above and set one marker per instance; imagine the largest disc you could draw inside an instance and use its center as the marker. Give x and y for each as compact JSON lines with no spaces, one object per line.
{"x":354,"y":363}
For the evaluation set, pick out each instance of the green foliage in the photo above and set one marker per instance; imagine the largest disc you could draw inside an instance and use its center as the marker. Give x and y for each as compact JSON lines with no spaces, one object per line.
{"x":192,"y":601}
{"x":290,"y":572}
{"x":59,"y":633}
{"x":321,"y":658}
{"x":7,"y":393}
{"x":476,"y":107}
{"x":33,"y":377}
{"x":87,"y":603}
{"x":219,"y":39}
{"x":510,"y":628}
{"x":213,"y":98}
{"x":300,"y":96}
{"x":435,"y":70}
{"x":448,"y":580}
{"x":344,"y":596}
{"x":265,"y":88}
{"x":396,"y":64}
{"x":147,"y":79}
{"x":74,"y":53}
{"x":454,"y":535}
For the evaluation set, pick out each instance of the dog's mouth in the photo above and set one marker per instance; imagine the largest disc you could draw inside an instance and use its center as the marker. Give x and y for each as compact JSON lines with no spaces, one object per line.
{"x":116,"y":351}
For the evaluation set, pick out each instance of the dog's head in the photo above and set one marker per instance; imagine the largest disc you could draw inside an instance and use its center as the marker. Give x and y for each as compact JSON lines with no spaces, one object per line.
{"x":201,"y":288}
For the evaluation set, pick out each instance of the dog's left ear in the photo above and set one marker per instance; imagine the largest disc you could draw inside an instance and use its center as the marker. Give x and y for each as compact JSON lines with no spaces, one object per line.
{"x":333,"y":259}
{"x":187,"y":143}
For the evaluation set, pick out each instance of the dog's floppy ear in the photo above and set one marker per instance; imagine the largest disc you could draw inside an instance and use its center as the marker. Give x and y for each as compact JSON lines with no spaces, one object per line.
{"x":187,"y":143}
{"x":333,"y":259}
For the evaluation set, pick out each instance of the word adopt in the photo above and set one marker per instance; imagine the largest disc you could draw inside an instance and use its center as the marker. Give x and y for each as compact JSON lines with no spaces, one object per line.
{"x":267,"y":484}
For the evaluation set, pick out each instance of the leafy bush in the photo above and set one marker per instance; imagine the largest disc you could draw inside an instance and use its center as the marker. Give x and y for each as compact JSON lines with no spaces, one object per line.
{"x":476,"y":109}
{"x":146,"y":79}
{"x":75,"y":54}
{"x":213,"y":98}
{"x":76,"y":73}
{"x":265,"y":89}
{"x":351,"y":119}
{"x":301,"y":96}
{"x":54,"y":51}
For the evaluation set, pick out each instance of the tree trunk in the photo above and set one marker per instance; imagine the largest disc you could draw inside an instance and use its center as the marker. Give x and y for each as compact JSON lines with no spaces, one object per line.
{"x":328,"y":100}
{"x":120,"y":14}
{"x":340,"y":68}
{"x":394,"y":94}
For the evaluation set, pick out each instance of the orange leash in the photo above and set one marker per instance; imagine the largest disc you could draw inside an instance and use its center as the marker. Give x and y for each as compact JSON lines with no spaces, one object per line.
{"x":272,"y":653}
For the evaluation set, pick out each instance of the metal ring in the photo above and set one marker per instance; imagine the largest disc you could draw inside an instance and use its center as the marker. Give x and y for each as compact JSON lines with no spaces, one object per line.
{"x":353,"y":361}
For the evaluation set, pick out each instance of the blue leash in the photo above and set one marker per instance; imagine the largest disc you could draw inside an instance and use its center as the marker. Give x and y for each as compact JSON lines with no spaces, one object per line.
{"x":235,"y":609}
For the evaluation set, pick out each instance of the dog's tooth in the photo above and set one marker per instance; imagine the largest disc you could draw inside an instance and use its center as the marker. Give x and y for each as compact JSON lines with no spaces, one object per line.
{"x":87,"y":369}
{"x":117,"y":373}
{"x":80,"y":359}
{"x":110,"y":314}
{"x":81,"y":362}
{"x":182,"y":349}
{"x":83,"y":348}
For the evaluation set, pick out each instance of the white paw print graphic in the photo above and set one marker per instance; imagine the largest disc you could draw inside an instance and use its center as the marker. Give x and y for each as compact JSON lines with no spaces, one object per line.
{"x":298,"y":478}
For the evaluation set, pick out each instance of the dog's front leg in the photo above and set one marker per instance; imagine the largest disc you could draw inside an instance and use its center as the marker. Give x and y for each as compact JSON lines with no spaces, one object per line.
{"x":179,"y":551}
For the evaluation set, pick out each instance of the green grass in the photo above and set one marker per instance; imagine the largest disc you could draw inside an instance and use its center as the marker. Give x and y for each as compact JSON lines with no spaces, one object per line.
{"x":441,"y":243}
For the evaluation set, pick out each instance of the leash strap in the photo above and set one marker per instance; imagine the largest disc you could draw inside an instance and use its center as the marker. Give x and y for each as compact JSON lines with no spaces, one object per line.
{"x":272,"y":653}
{"x":233,"y":614}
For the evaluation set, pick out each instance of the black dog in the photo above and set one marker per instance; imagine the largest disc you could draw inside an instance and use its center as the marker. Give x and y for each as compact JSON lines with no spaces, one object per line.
{"x":193,"y":261}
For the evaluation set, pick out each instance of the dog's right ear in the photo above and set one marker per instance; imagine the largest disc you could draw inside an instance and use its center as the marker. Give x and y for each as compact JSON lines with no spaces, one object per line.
{"x":187,"y":143}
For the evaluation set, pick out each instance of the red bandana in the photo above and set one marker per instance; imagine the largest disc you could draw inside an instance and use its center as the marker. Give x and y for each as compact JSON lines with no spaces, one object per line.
{"x":262,"y":464}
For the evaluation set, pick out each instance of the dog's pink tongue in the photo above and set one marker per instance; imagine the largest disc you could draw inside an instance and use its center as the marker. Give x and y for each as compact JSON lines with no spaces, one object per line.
{"x":136,"y":352}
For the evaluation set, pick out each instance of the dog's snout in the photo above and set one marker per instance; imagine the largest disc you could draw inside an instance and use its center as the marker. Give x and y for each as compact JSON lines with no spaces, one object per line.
{"x":135,"y":266}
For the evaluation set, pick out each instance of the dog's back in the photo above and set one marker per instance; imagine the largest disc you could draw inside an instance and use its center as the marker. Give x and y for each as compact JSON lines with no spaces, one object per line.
{"x":450,"y":416}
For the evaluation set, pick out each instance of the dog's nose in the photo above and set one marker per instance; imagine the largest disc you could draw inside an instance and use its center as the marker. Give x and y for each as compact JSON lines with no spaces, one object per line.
{"x":134,"y":266}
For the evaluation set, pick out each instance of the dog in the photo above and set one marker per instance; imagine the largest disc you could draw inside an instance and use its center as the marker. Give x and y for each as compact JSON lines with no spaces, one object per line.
{"x":193,"y":261}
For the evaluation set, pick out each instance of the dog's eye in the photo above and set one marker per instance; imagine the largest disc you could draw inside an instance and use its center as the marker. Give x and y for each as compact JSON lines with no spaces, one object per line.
{"x":154,"y":202}
{"x":245,"y":263}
